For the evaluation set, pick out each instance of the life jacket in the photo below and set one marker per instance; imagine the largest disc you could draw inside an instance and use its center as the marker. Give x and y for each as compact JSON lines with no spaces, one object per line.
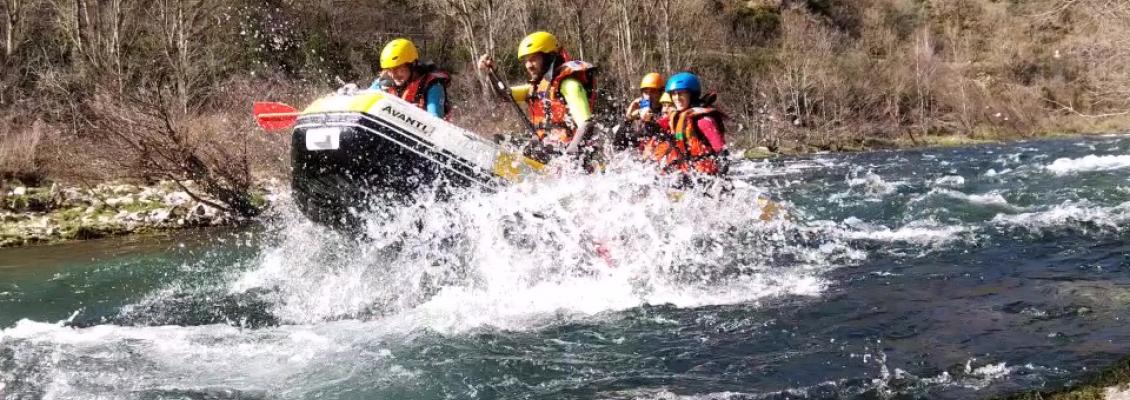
{"x":547,"y":108}
{"x":684,"y":148}
{"x":415,"y":90}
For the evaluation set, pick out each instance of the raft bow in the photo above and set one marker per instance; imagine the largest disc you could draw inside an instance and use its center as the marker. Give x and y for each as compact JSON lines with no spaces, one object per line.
{"x":349,"y":151}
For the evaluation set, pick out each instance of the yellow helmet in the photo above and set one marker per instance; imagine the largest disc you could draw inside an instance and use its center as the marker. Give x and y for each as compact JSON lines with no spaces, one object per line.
{"x":652,"y":81}
{"x":537,"y":42}
{"x":398,"y":52}
{"x":665,"y":99}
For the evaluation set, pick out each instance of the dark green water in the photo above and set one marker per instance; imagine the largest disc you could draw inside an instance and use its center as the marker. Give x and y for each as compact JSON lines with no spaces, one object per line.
{"x":951,"y":274}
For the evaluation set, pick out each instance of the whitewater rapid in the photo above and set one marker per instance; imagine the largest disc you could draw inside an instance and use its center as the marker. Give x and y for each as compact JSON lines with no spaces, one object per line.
{"x":309,"y":312}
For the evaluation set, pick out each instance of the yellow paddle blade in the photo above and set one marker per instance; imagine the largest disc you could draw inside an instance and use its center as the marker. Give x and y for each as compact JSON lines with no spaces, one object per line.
{"x":769,"y":209}
{"x":515,"y":167}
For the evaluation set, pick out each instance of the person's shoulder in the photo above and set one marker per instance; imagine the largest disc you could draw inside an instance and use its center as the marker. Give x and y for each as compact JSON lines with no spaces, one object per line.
{"x":708,"y":112}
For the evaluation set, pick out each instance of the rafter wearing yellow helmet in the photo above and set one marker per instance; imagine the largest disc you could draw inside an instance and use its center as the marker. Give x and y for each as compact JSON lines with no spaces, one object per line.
{"x":403,"y":75}
{"x":537,"y":42}
{"x":558,"y":97}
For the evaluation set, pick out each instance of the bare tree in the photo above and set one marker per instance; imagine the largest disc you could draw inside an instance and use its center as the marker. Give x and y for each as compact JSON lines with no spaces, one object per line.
{"x":13,"y":14}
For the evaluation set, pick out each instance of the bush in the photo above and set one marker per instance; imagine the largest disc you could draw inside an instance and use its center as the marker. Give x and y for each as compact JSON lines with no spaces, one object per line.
{"x":20,"y":157}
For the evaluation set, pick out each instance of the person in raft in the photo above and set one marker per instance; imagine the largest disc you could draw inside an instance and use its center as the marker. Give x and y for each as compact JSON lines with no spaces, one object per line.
{"x":644,"y":112}
{"x":404,"y":76}
{"x":559,"y":97}
{"x":695,"y":141}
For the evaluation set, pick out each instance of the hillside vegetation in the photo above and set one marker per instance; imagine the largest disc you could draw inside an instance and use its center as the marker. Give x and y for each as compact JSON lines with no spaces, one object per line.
{"x":161,"y":89}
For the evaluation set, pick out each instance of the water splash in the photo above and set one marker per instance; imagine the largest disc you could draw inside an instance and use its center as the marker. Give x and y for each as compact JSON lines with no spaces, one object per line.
{"x":1089,"y":163}
{"x":575,"y":244}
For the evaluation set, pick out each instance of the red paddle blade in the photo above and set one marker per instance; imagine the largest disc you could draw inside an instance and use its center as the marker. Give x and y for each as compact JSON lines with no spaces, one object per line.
{"x":274,"y":117}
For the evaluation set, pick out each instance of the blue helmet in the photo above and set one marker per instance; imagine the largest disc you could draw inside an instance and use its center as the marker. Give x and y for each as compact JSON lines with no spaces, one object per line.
{"x":684,"y":81}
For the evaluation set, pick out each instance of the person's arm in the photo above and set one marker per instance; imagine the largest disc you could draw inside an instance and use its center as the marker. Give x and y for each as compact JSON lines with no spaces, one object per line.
{"x":382,"y":82}
{"x":633,"y":109}
{"x":436,"y":100}
{"x":709,"y":128}
{"x":577,"y":98}
{"x":520,"y":92}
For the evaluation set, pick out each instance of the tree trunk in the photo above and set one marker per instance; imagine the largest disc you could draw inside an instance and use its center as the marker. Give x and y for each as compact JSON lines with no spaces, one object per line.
{"x":630,"y":61}
{"x":13,"y":10}
{"x":665,"y":7}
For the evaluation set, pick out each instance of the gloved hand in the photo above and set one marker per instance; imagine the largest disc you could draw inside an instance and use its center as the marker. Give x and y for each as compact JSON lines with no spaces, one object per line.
{"x":348,"y":90}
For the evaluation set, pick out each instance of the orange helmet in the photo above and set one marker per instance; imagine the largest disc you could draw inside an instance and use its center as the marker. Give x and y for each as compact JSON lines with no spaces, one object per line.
{"x":652,"y":81}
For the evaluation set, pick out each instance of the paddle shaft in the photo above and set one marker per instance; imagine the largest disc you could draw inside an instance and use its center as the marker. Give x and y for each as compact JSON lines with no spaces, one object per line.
{"x":278,"y":115}
{"x":504,"y":91}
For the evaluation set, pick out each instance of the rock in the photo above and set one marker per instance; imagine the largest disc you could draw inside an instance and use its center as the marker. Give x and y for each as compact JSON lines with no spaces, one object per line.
{"x":149,"y":193}
{"x":123,"y":189}
{"x":160,"y":216}
{"x":176,"y":199}
{"x":1118,"y":392}
{"x":19,"y":191}
{"x":120,"y":201}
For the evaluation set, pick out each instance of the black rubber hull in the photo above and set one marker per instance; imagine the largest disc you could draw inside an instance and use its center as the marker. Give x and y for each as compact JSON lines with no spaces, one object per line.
{"x":374,"y":163}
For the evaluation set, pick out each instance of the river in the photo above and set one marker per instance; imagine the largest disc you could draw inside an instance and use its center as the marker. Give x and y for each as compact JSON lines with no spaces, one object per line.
{"x":944,"y":274}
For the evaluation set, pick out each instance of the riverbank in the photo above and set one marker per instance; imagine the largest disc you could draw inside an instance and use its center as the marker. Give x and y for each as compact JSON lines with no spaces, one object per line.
{"x":1110,"y":384}
{"x":1077,"y":129}
{"x":45,"y":215}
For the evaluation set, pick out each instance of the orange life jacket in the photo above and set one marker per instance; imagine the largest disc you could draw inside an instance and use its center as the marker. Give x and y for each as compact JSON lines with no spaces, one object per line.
{"x":547,"y":107}
{"x":415,"y":90}
{"x":684,"y":148}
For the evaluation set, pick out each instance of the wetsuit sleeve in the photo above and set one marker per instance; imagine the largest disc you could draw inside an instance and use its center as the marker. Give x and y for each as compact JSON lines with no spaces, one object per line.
{"x":520,"y":93}
{"x":380,"y":84}
{"x":709,"y":128}
{"x":437,"y":100}
{"x":577,"y":98}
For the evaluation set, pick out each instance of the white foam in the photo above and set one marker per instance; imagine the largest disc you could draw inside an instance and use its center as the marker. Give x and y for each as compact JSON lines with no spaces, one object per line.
{"x":1089,"y":163}
{"x":510,"y":259}
{"x":928,"y":234}
{"x":1069,"y":214}
{"x":110,"y":361}
{"x":984,"y":199}
{"x":993,"y":173}
{"x":950,"y":181}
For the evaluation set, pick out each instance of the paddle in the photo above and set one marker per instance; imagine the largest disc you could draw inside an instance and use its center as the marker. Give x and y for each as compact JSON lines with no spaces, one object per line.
{"x":274,"y":117}
{"x":504,"y":90}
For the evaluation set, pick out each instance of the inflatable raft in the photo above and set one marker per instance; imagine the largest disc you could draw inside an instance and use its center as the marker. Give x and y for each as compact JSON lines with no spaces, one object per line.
{"x":351,"y":151}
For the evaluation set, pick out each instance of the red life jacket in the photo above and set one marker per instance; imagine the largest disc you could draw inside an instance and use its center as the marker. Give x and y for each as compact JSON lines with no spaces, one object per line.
{"x":547,"y":108}
{"x":685,"y":148}
{"x":416,"y":89}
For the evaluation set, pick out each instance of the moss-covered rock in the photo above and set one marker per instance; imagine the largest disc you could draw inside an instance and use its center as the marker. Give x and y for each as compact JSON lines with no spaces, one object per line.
{"x":44,"y":215}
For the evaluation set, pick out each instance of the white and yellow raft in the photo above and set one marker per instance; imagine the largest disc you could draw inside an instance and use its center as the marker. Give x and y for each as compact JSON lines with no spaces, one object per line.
{"x":349,"y":151}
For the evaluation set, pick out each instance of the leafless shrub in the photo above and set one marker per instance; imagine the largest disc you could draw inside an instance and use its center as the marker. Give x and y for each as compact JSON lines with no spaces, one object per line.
{"x":157,"y":141}
{"x":20,"y":156}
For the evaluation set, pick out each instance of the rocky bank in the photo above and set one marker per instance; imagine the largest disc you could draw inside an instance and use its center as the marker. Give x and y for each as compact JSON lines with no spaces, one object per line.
{"x":39,"y":215}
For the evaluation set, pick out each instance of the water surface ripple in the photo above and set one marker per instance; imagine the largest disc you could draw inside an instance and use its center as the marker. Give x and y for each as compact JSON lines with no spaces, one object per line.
{"x":942,"y":274}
